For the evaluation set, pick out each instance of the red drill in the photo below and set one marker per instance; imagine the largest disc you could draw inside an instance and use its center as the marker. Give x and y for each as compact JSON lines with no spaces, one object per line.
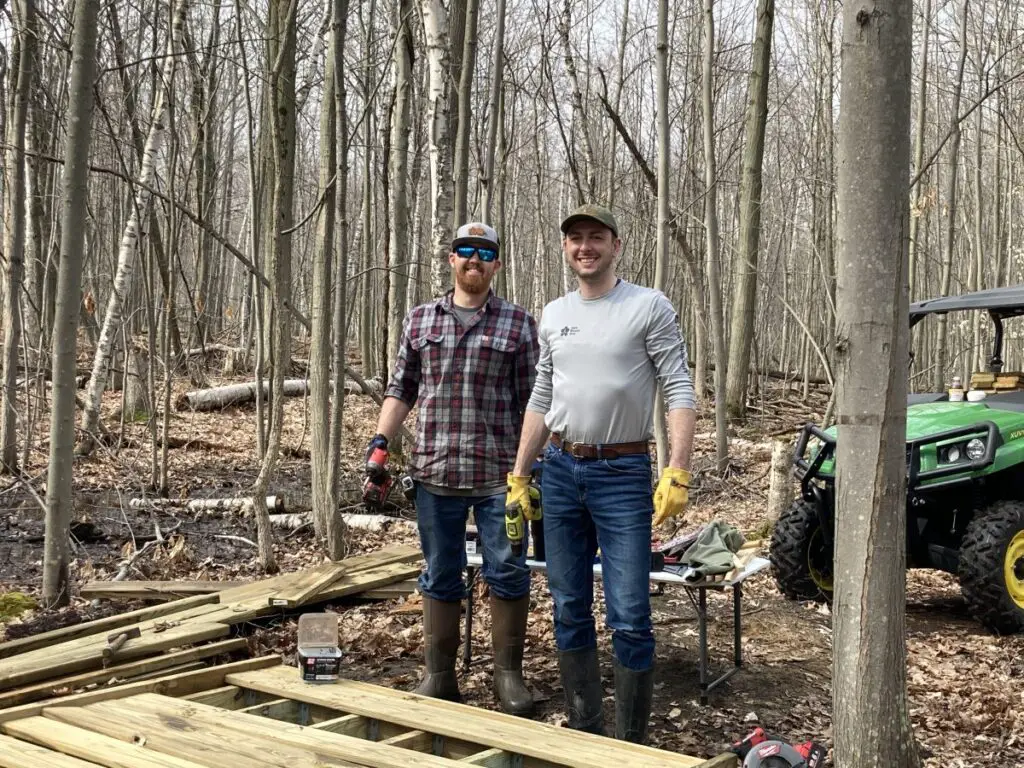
{"x":378,"y":480}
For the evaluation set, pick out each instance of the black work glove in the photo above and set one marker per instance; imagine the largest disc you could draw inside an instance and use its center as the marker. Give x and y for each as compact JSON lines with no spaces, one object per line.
{"x":378,"y":441}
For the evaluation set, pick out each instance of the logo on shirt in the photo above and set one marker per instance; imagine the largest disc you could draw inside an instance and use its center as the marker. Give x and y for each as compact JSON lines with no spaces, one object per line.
{"x":570,"y":330}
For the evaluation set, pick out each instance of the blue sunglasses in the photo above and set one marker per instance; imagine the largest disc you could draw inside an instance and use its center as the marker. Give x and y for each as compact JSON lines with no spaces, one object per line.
{"x":486,"y":254}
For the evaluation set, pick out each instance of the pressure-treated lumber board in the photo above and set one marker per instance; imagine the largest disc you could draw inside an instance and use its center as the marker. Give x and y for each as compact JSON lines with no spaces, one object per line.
{"x":380,"y":576}
{"x":152,"y":590}
{"x":307,"y":584}
{"x":87,"y":745}
{"x":398,"y":589}
{"x":499,"y":758}
{"x":20,"y":754}
{"x":173,"y":685}
{"x":98,"y":626}
{"x":159,"y":663}
{"x":81,"y":656}
{"x":225,"y":697}
{"x":546,"y":742}
{"x":359,"y":751}
{"x":210,"y":747}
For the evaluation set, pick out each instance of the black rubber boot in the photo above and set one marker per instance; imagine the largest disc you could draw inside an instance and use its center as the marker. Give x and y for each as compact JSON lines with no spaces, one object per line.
{"x":581,"y":679}
{"x":634,"y":690}
{"x":508,"y":636}
{"x":440,"y":649}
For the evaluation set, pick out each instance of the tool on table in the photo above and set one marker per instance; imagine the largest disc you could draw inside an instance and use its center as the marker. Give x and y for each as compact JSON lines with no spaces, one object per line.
{"x":759,"y":750}
{"x":318,"y":655}
{"x":117,"y":640}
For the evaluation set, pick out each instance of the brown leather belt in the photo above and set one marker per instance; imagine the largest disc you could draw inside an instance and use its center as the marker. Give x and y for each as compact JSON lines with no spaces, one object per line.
{"x":607,"y":451}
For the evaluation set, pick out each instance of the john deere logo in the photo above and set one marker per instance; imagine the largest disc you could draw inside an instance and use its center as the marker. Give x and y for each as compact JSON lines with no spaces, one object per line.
{"x":477,"y":231}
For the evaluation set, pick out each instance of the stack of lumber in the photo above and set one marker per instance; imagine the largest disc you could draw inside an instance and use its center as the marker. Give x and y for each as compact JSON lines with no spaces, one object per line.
{"x":997,"y":382}
{"x":44,"y":665}
{"x":263,"y":715}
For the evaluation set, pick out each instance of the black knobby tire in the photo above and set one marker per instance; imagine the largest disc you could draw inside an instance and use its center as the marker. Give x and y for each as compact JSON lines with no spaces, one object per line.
{"x":790,"y":552}
{"x":982,"y":574}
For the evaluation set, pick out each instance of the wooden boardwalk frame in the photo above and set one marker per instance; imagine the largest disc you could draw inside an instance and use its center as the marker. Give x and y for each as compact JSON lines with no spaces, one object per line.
{"x":259,"y":714}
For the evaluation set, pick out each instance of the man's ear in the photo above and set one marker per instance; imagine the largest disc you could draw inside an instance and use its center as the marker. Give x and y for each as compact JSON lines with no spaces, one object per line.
{"x":618,"y":246}
{"x":451,"y":258}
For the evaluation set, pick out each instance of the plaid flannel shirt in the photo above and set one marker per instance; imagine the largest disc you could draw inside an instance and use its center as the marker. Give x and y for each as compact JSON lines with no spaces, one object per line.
{"x":472,"y":385}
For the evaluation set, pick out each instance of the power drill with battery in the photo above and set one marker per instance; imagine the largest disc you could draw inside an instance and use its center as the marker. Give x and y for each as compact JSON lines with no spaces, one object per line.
{"x":378,"y":478}
{"x":516,"y":519}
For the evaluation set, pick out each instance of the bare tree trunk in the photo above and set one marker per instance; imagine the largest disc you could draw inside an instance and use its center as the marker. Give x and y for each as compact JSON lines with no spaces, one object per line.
{"x":281,"y":85}
{"x":744,"y":302}
{"x":14,"y":245}
{"x":494,"y":120}
{"x":711,"y":227}
{"x":435,"y":24}
{"x":949,"y":238}
{"x":133,"y":231}
{"x":871,"y":720}
{"x":664,"y":212}
{"x":68,"y":303}
{"x":324,"y":495}
{"x":399,"y":247}
{"x":917,"y":209}
{"x":466,"y":120}
{"x":579,"y":114}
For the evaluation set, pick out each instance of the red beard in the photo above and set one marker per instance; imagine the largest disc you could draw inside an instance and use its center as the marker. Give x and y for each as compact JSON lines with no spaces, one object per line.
{"x":471,"y":281}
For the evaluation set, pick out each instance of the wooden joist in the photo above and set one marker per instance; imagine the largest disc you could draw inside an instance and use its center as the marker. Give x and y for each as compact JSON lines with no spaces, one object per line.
{"x":307,"y":584}
{"x":180,"y":684}
{"x":537,"y":740}
{"x":120,"y":672}
{"x":15,"y":753}
{"x":152,"y":590}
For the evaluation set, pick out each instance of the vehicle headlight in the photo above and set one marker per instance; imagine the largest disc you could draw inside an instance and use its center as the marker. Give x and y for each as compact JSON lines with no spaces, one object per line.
{"x":953,"y":454}
{"x":975,"y":449}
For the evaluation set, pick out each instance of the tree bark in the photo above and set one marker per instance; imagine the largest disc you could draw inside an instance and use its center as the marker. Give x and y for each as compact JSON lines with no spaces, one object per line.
{"x":664,"y":212}
{"x":68,"y":302}
{"x":133,"y":232}
{"x":871,"y":720}
{"x":14,"y":245}
{"x":744,"y":301}
{"x":494,"y":115}
{"x":466,"y":120}
{"x":435,"y":24}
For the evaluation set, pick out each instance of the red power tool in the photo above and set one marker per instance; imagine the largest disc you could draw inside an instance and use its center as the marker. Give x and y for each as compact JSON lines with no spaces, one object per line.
{"x":759,"y":750}
{"x":378,"y":480}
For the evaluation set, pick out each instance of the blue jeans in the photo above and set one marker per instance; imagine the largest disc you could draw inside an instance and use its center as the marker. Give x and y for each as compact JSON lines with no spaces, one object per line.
{"x":442,"y":526}
{"x":607,"y":503}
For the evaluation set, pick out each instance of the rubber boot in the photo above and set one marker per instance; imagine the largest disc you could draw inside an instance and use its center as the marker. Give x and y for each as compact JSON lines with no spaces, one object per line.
{"x":508,"y":636}
{"x":440,"y":649}
{"x":634,"y":690}
{"x":581,"y":679}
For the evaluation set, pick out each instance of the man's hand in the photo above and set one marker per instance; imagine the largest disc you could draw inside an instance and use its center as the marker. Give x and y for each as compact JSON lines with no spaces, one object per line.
{"x":378,"y":441}
{"x":519,"y":493}
{"x":671,"y":495}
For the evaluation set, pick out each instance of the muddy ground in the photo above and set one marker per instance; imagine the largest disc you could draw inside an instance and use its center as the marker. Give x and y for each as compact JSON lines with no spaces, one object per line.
{"x":965,"y":684}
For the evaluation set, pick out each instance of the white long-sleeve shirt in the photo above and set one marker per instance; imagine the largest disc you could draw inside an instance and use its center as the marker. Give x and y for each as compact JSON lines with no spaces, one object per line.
{"x":601,"y":360}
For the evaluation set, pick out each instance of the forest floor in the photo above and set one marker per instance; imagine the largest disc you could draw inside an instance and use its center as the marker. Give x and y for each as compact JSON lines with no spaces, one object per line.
{"x":965,"y":684}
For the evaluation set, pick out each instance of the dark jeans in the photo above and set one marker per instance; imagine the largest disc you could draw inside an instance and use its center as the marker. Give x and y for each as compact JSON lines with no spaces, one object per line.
{"x":442,"y":526}
{"x":607,"y":503}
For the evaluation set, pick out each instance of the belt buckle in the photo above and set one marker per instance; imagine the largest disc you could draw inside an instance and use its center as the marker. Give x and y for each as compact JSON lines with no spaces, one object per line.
{"x":574,"y":450}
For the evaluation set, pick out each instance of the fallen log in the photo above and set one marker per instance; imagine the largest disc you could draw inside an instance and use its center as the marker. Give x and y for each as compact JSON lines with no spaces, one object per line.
{"x":244,"y":504}
{"x":294,"y":521}
{"x":219,"y":398}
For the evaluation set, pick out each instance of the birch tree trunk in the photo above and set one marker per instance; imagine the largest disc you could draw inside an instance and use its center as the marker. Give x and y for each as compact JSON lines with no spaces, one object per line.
{"x":435,"y":26}
{"x":870,"y":720}
{"x":399,"y":247}
{"x":744,"y":302}
{"x":133,"y":231}
{"x":67,"y":306}
{"x":917,"y":208}
{"x":664,"y":213}
{"x":579,"y":114}
{"x":281,"y":85}
{"x":949,"y":236}
{"x":711,"y":228}
{"x":14,"y":245}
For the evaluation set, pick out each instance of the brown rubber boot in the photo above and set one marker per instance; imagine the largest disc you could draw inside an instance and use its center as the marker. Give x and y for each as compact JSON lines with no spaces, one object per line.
{"x":634,"y":691}
{"x":508,"y":635}
{"x":581,"y":678}
{"x":440,"y":649}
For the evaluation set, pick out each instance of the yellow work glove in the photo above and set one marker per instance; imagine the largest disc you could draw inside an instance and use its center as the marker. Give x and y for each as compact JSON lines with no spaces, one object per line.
{"x":534,"y":511}
{"x":671,"y":495}
{"x":518,"y":493}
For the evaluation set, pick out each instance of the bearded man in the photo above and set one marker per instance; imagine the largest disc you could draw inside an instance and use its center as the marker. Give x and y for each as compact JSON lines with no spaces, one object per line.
{"x":468,"y":360}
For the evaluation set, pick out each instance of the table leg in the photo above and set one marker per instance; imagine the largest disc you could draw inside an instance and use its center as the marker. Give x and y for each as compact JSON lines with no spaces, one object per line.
{"x":737,"y":613}
{"x":702,"y":642}
{"x":467,"y":648}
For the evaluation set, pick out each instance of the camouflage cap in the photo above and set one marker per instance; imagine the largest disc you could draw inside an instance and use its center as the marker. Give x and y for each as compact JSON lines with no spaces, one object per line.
{"x":478,"y":234}
{"x":596,"y":213}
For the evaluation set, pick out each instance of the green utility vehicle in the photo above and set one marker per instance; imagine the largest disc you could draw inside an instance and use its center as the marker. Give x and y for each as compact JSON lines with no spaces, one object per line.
{"x":965,"y":486}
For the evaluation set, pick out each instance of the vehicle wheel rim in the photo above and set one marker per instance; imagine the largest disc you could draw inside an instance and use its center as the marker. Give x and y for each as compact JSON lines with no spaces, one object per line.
{"x":1013,"y":569}
{"x":819,"y":561}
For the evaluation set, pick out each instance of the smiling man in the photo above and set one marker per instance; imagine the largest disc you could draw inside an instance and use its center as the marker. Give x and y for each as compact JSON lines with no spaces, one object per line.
{"x":603,"y":351}
{"x":468,"y":360}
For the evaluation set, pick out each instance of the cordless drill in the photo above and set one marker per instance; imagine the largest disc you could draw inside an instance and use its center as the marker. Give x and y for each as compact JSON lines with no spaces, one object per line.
{"x":377,"y":483}
{"x":516,"y":518}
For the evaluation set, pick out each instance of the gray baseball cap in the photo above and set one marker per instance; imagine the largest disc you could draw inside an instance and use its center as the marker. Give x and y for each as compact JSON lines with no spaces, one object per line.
{"x":478,"y":234}
{"x":596,"y":213}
